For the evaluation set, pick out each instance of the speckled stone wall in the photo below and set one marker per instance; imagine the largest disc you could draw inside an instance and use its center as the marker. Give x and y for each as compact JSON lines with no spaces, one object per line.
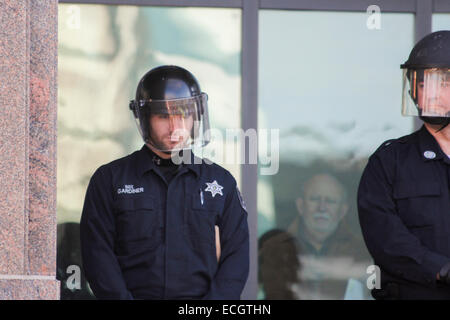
{"x":28,"y":94}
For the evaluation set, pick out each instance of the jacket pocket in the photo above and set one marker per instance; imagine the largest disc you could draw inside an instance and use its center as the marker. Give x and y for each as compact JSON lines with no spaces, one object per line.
{"x":137,"y":221}
{"x":417,"y":202}
{"x":200,"y":220}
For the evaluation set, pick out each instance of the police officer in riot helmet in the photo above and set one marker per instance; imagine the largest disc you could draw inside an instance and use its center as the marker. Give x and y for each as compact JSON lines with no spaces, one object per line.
{"x":404,"y":192}
{"x":170,"y":110}
{"x":156,"y":228}
{"x":426,"y":80}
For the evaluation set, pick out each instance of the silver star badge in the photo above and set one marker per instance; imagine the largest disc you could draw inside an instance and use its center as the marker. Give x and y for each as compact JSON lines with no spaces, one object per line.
{"x":214,"y":188}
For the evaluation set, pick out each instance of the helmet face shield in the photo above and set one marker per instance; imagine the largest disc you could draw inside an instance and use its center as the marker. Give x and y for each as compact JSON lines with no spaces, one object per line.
{"x":426,"y":92}
{"x":173,"y":124}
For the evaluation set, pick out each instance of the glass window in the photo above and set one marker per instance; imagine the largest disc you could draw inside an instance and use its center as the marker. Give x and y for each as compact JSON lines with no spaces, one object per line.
{"x":332,"y":87}
{"x":103,"y":52}
{"x":441,"y":21}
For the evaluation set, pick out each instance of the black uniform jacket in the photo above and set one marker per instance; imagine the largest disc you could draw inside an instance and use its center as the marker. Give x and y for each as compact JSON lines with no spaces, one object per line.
{"x":404,"y":212}
{"x":144,"y":238}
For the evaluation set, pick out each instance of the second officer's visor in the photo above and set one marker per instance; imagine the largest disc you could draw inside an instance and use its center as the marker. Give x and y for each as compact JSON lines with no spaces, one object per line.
{"x":426,"y":92}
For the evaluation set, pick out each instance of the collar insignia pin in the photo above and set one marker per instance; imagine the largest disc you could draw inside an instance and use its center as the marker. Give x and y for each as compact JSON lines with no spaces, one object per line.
{"x":429,"y":154}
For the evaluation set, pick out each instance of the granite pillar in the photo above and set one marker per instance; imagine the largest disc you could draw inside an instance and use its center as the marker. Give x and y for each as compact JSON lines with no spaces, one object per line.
{"x":28,"y":104}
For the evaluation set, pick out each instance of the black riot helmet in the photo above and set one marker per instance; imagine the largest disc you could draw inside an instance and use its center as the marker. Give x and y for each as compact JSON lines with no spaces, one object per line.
{"x":426,"y":80}
{"x":171,"y":111}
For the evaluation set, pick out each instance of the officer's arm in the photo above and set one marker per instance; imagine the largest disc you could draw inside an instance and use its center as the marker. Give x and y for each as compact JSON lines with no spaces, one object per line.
{"x":217,"y":230}
{"x":97,"y":231}
{"x":388,"y":240}
{"x":233,"y":268}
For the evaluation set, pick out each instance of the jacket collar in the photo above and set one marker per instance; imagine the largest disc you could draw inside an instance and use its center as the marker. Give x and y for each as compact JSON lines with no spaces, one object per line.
{"x":145,"y":161}
{"x":429,"y":147}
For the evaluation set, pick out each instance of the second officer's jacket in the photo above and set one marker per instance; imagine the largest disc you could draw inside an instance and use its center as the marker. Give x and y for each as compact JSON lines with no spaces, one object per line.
{"x":144,"y":238}
{"x":404,"y":212}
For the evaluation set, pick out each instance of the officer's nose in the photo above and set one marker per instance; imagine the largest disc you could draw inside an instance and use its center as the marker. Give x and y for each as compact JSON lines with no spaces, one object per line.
{"x":176,"y":122}
{"x":441,"y":93}
{"x":177,"y":129}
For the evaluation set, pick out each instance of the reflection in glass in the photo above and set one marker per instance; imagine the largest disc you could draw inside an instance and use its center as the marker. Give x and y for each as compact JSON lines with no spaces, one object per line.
{"x":331,"y":252}
{"x":103,"y":52}
{"x":278,"y":264}
{"x":333,"y":88}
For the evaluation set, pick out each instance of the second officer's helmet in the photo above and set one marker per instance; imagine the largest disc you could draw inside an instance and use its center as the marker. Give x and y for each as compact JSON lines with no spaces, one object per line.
{"x":170,"y":109}
{"x":426,"y":79}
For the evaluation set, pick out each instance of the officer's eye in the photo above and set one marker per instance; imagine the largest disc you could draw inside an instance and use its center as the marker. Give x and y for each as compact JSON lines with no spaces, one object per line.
{"x":421,"y":85}
{"x":163,"y":116}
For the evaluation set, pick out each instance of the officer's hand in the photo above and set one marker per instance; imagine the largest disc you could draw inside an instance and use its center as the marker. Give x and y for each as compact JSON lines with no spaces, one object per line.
{"x":444,"y":274}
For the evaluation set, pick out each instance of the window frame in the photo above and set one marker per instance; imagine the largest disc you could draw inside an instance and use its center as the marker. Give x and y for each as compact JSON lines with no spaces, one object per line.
{"x":423,"y":10}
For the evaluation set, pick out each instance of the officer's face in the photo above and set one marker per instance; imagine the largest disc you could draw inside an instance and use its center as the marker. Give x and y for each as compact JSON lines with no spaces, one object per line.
{"x":322,"y":206}
{"x":437,"y":97}
{"x":169,"y":132}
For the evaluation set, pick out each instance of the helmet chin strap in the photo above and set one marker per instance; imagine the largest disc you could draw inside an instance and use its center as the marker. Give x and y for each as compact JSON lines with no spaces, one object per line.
{"x":442,"y":121}
{"x":447,"y":122}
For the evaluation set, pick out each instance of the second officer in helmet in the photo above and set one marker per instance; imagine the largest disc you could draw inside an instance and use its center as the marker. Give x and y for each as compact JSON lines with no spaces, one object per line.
{"x":404,"y":193}
{"x":156,"y":228}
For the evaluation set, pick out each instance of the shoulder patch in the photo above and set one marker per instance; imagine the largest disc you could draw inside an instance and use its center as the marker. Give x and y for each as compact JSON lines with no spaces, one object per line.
{"x":386,"y":144}
{"x":241,"y":199}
